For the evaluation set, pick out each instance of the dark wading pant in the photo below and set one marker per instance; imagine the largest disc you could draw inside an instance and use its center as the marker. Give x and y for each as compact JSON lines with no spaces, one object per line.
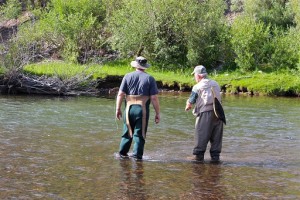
{"x":208,"y":128}
{"x":135,"y":120}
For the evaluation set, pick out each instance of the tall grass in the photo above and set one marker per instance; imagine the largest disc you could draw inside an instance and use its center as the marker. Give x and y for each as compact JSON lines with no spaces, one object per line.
{"x":275,"y":83}
{"x":117,"y":68}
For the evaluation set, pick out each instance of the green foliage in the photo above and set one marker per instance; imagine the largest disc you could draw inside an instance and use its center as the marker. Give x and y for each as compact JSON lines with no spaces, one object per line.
{"x":295,"y":6}
{"x":237,"y":5}
{"x":285,"y":47}
{"x":265,"y":37}
{"x":76,"y":25}
{"x":131,"y":26}
{"x":249,"y":39}
{"x":276,"y":13}
{"x":207,"y":34}
{"x":171,"y":31}
{"x":169,"y":43}
{"x":174,"y":34}
{"x":11,"y":10}
{"x":15,"y":57}
{"x":36,"y":4}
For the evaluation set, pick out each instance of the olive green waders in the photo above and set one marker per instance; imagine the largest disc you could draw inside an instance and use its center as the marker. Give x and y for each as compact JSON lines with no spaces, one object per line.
{"x":135,"y":125}
{"x":208,"y":128}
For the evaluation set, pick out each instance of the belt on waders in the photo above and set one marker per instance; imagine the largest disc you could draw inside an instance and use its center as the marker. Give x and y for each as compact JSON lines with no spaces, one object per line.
{"x":136,"y":100}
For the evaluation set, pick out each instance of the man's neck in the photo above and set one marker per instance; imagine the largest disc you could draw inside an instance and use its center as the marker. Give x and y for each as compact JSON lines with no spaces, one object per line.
{"x":138,"y":69}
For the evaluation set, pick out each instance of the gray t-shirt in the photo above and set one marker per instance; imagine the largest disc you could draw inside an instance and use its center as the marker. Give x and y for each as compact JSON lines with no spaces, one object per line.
{"x":139,"y":83}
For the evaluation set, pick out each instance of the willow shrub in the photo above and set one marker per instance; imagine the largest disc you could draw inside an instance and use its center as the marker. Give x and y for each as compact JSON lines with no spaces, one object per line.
{"x":150,"y":28}
{"x":266,"y":35}
{"x":207,"y":34}
{"x":171,"y":32}
{"x":285,"y":50}
{"x":77,"y":25}
{"x":249,"y":41}
{"x":276,"y":13}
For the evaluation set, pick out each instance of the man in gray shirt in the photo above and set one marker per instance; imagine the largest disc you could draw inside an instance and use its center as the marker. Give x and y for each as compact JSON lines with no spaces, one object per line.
{"x":139,"y":89}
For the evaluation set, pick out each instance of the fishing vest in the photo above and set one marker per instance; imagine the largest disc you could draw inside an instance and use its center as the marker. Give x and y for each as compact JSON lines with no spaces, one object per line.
{"x":205,"y":96}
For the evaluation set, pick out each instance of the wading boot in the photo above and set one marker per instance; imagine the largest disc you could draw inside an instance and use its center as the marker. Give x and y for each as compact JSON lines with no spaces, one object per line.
{"x":135,"y":157}
{"x":215,"y":159}
{"x":123,"y":156}
{"x":198,"y":158}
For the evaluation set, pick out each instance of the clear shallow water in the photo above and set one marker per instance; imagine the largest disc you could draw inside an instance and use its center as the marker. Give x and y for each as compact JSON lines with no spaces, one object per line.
{"x":63,"y":148}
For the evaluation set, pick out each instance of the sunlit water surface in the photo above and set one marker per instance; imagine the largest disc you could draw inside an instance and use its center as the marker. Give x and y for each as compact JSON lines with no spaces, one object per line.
{"x":63,"y":148}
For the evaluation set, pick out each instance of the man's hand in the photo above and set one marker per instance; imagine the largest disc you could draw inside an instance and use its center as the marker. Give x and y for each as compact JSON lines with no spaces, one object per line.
{"x":155,"y":102}
{"x":119,"y":104}
{"x":188,"y":105}
{"x":118,"y":114}
{"x":157,"y":118}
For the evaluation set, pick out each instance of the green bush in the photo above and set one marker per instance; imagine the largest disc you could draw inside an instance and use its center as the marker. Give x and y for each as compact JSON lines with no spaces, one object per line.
{"x":295,"y":6}
{"x":249,"y":41}
{"x":265,"y":37}
{"x":237,"y":5}
{"x":286,"y":50}
{"x":207,"y":34}
{"x":15,"y":57}
{"x":76,"y":26}
{"x":11,"y":10}
{"x":176,"y":32}
{"x":276,"y":13}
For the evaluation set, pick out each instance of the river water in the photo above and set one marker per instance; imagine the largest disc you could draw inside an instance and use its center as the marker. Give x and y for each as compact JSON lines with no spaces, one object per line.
{"x":63,"y":148}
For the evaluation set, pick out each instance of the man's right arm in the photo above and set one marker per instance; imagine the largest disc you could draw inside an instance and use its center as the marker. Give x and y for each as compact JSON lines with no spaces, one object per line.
{"x":120,"y":97}
{"x":192,"y":100}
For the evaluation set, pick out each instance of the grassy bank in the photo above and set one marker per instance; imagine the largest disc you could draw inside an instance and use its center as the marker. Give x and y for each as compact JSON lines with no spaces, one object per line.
{"x":275,"y":83}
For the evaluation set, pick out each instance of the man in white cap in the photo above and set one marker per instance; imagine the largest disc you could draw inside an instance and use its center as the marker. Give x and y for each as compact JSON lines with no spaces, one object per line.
{"x":208,"y":127}
{"x":139,"y":89}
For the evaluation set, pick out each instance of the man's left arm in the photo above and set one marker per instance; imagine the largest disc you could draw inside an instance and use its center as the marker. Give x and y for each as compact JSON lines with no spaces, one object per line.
{"x":155,"y":103}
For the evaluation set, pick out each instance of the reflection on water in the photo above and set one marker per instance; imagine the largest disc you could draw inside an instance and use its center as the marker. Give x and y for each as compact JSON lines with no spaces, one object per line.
{"x":206,"y":183}
{"x":62,"y":148}
{"x":132,"y":183}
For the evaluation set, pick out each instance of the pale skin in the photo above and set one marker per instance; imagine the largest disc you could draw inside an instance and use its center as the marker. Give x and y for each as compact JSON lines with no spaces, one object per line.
{"x":198,"y":78}
{"x":153,"y":98}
